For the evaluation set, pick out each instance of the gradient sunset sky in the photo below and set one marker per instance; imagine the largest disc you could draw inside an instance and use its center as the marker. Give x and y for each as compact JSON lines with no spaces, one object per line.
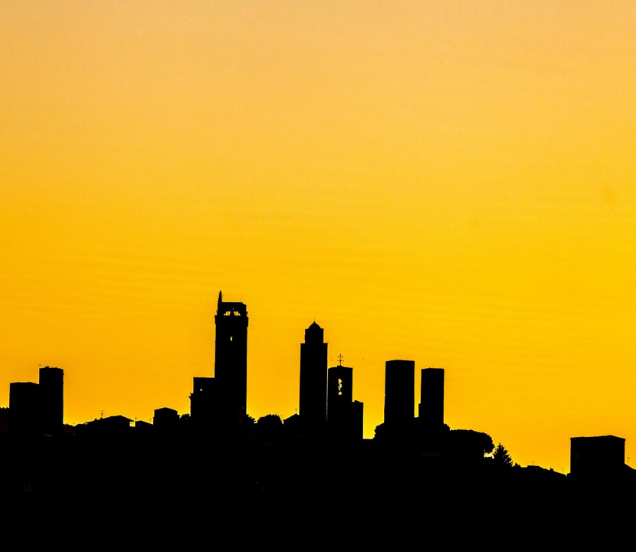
{"x":450,"y":182}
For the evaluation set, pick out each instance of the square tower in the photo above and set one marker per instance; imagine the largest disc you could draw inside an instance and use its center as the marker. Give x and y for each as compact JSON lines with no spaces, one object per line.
{"x":313,"y":377}
{"x":344,"y":415}
{"x":432,"y":397}
{"x":52,"y":400}
{"x":399,"y":391}
{"x":230,"y":361}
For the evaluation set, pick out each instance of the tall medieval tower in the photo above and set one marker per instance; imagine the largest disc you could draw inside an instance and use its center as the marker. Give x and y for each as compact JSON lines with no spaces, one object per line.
{"x":230,"y":362}
{"x":313,"y":377}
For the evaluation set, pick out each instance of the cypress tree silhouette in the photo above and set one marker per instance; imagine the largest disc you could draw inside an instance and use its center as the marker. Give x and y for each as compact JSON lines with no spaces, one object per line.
{"x":502,"y":457}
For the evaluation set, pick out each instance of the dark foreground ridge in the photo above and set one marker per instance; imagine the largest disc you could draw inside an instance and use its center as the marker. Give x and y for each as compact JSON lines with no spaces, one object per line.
{"x":276,"y":473}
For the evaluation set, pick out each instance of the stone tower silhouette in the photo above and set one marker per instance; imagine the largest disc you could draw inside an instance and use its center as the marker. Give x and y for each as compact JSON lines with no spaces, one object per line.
{"x":52,"y":400}
{"x":399,"y":391}
{"x":431,"y":409}
{"x":230,"y":361}
{"x":344,"y":415}
{"x":313,"y":377}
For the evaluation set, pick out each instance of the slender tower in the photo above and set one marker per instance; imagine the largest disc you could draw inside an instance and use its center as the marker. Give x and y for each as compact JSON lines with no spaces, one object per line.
{"x":24,"y":408}
{"x":399,"y":391}
{"x":339,"y":395}
{"x":432,"y":397}
{"x":344,"y":415}
{"x":313,"y":377}
{"x":52,"y":400}
{"x":230,"y":361}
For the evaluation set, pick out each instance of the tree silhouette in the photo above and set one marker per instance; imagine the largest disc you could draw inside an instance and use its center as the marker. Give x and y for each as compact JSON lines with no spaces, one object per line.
{"x":502,"y":457}
{"x":475,"y":443}
{"x":269,"y":422}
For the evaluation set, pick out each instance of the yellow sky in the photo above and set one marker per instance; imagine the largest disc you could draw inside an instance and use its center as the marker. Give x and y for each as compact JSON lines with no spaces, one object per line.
{"x":447,"y":182}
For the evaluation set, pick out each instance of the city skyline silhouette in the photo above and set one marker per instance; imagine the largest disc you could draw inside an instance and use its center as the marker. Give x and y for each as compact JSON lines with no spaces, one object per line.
{"x":450,"y":184}
{"x":327,"y":409}
{"x":218,"y":460}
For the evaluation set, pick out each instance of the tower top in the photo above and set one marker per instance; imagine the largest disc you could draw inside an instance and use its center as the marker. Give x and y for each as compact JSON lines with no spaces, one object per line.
{"x":230,"y":308}
{"x":314,"y":334}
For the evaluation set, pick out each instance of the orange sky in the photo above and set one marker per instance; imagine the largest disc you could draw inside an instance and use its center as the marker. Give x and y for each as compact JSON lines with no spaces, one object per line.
{"x":448,"y":182}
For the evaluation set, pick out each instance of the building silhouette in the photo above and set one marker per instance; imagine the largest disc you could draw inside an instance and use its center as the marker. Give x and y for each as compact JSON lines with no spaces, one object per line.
{"x":24,"y":408}
{"x":399,"y":391}
{"x":230,"y":361}
{"x":4,"y":419}
{"x":431,"y":410}
{"x":38,"y":408}
{"x":595,"y":456}
{"x":111,"y":426}
{"x":203,"y":401}
{"x":344,"y":415}
{"x":165,"y":418}
{"x":598,"y":463}
{"x":52,"y":400}
{"x":313,"y":377}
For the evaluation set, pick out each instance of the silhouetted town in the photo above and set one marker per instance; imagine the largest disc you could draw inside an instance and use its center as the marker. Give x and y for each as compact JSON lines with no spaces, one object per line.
{"x":218,"y":454}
